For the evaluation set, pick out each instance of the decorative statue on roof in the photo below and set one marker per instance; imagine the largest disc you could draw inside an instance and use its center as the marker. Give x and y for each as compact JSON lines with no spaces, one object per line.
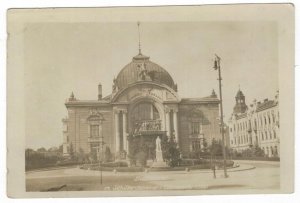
{"x":143,"y":74}
{"x":115,"y":87}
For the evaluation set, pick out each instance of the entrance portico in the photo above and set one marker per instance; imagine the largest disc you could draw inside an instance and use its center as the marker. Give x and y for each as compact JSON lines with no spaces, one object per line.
{"x":145,"y":116}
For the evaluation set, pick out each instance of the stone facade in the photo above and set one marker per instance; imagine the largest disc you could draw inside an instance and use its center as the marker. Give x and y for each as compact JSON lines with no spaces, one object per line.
{"x":257,"y":125}
{"x":144,"y":102}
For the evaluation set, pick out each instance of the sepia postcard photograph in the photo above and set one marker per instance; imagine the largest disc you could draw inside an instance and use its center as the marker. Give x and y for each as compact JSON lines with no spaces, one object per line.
{"x":150,"y":101}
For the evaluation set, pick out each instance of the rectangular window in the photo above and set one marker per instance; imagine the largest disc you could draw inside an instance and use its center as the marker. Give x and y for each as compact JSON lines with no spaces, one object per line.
{"x":195,"y":127}
{"x":94,"y":130}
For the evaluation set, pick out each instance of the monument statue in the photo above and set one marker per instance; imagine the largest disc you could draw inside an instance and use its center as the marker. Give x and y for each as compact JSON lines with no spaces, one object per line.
{"x":158,"y":144}
{"x":159,"y":161}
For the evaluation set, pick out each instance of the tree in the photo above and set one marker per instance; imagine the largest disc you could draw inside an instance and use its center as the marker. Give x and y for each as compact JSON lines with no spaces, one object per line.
{"x":71,"y":152}
{"x":170,"y":150}
{"x":42,"y":149}
{"x":80,"y":156}
{"x":258,"y":152}
{"x":92,"y":156}
{"x":60,"y":149}
{"x":107,"y":154}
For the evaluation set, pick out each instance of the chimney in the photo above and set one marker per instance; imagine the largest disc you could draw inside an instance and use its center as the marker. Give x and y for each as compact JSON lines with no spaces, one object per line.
{"x":99,"y":91}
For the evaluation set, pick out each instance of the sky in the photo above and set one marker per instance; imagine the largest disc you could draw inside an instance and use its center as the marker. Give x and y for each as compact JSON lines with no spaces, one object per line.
{"x":65,"y":57}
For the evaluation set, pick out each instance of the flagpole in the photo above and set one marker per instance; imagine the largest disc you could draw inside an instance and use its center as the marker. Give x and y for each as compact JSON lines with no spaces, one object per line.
{"x":217,"y":66}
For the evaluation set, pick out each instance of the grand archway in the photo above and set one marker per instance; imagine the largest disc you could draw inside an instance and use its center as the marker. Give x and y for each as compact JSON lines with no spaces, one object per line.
{"x":146,"y":122}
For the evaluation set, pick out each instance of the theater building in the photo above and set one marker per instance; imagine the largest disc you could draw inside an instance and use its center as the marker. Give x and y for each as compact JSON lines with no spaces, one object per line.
{"x":256,"y":125}
{"x":144,"y":103}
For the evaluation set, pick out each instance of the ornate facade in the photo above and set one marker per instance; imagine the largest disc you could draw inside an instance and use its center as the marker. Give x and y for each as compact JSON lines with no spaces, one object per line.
{"x":256,"y":125}
{"x":144,"y":103}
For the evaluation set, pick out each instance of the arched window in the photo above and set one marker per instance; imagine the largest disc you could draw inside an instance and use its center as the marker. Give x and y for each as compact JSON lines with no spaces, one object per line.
{"x":144,"y":111}
{"x":272,"y":153}
{"x":262,"y":136}
{"x":275,"y":151}
{"x":265,"y":120}
{"x":266,"y":135}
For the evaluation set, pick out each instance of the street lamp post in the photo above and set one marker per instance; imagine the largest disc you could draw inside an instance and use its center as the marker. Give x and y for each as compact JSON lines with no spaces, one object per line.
{"x":218,"y":67}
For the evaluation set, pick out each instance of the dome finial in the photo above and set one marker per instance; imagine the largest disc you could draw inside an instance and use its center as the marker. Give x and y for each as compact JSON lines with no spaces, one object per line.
{"x":138,"y":24}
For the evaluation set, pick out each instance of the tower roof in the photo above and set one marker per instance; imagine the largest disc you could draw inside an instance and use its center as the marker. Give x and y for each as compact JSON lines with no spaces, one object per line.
{"x":239,"y":94}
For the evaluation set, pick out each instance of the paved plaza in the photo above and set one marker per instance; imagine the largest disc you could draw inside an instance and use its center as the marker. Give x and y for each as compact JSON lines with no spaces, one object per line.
{"x":249,"y":177}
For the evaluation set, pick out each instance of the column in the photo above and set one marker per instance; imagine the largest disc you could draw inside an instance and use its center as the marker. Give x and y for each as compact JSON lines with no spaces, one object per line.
{"x":117,"y":130}
{"x":168,"y":129}
{"x":175,"y":121}
{"x":125,"y":130}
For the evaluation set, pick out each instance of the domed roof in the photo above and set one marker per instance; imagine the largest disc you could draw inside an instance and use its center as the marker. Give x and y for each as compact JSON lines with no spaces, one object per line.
{"x":142,"y":69}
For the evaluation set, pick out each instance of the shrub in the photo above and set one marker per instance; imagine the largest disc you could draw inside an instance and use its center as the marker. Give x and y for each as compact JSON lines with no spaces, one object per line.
{"x":141,"y":158}
{"x":171,"y":153}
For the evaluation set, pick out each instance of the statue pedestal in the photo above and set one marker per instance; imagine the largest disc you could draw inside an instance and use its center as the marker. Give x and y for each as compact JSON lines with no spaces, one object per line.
{"x":159,"y":162}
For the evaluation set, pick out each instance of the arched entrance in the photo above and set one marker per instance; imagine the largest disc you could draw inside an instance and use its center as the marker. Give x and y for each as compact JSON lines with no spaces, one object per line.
{"x":146,"y":122}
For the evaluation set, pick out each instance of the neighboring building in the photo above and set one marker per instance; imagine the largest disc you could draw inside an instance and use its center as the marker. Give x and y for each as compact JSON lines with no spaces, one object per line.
{"x":256,"y":125}
{"x":144,"y":104}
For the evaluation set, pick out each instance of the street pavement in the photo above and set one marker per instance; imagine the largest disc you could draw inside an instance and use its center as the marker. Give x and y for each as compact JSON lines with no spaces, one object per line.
{"x":249,"y":177}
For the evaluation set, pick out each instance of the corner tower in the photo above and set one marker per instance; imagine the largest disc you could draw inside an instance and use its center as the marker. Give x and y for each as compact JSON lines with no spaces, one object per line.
{"x":240,"y":103}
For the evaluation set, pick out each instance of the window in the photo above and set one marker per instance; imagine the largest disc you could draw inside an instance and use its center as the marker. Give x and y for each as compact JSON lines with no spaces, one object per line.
{"x":265,"y":121}
{"x":272,"y":152}
{"x":275,"y":151}
{"x":262,"y":136}
{"x":274,"y":134}
{"x":196,"y":145}
{"x":195,"y":127}
{"x":94,"y":130}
